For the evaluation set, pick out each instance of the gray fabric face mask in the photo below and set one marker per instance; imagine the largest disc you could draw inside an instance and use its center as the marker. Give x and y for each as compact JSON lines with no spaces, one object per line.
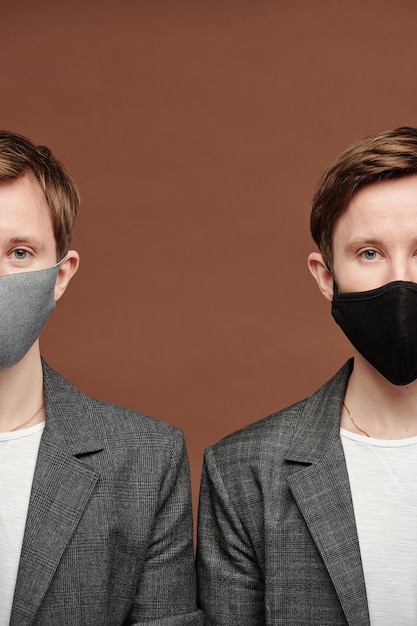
{"x":26,"y":302}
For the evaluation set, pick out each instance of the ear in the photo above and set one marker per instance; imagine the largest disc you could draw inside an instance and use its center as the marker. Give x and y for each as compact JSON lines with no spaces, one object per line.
{"x":66,"y":271}
{"x":321,"y":273}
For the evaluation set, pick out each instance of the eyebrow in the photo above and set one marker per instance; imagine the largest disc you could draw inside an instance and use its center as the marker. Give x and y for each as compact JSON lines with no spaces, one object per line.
{"x":27,"y":239}
{"x":372,"y":242}
{"x":362,"y":241}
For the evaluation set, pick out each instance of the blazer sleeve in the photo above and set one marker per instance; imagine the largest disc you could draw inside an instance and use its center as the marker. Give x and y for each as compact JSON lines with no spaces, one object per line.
{"x":167,"y":591}
{"x":230,"y":581}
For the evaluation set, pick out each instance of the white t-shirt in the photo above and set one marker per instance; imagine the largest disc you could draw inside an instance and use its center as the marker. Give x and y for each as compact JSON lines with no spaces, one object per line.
{"x":383,"y":480}
{"x":18,"y":454}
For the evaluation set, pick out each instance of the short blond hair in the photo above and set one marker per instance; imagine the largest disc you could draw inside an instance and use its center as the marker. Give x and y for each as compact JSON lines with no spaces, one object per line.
{"x":19,"y":156}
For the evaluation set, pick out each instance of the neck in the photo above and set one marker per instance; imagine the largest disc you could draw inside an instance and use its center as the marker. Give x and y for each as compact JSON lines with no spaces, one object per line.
{"x":21,"y":392}
{"x":379,"y":408}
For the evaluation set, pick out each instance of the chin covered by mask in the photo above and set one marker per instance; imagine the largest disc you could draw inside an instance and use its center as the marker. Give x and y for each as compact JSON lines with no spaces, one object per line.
{"x":26,"y":302}
{"x":382,"y":325}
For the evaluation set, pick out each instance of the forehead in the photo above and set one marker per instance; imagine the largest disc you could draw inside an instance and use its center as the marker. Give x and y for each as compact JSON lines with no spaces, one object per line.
{"x":24,"y":191}
{"x":380,"y":207}
{"x":23,"y":205}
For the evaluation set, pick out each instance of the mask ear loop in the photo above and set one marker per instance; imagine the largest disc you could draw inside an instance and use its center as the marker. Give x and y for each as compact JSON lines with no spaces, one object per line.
{"x":61,"y":261}
{"x":51,"y":267}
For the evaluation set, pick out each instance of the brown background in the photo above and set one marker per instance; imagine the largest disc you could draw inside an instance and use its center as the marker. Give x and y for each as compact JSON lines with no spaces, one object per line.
{"x":197,"y":131}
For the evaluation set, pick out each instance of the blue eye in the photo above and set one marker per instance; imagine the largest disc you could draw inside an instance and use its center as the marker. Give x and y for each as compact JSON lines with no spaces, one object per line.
{"x":20,"y":254}
{"x":370,"y":255}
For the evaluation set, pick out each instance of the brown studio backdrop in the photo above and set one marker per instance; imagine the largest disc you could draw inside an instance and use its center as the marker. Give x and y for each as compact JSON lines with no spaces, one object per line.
{"x":197,"y":132}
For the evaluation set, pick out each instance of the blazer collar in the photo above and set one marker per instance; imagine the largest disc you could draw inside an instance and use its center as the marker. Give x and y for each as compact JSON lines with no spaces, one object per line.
{"x":319,"y":482}
{"x":319,"y":423}
{"x":68,"y":415}
{"x":63,"y":482}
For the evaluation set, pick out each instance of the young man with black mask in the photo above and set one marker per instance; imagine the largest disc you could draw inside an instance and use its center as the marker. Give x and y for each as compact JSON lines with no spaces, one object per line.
{"x":95,"y":514}
{"x":309,"y":516}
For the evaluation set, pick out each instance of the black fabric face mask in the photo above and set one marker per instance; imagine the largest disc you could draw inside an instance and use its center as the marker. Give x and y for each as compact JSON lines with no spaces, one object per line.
{"x":382,"y":325}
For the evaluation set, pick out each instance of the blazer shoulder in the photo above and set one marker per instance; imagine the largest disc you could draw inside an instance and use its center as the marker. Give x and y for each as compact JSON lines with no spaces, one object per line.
{"x":273,"y":433}
{"x":112,"y":421}
{"x":267,"y":435}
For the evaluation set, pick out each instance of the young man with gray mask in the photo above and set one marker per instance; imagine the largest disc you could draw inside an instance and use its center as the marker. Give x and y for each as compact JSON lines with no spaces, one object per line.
{"x":309,"y":516}
{"x":95,"y":515}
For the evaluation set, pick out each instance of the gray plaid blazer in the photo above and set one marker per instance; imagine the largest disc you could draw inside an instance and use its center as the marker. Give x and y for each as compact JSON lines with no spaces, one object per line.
{"x":277,"y":541}
{"x":108,"y":537}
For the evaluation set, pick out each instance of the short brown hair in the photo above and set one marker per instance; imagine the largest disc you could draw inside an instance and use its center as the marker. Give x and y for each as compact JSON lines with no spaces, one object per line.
{"x":387,"y":155}
{"x":18,"y":156}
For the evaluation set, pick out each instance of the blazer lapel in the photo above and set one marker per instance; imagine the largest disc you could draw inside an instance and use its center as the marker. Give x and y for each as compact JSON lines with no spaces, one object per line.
{"x":320,"y":485}
{"x":61,"y":489}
